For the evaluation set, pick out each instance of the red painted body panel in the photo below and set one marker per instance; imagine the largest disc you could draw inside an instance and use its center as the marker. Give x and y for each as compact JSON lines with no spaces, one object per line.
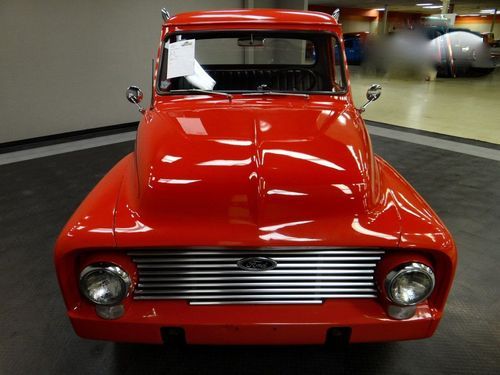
{"x":253,"y":172}
{"x":252,"y":17}
{"x":235,"y":181}
{"x":235,"y":324}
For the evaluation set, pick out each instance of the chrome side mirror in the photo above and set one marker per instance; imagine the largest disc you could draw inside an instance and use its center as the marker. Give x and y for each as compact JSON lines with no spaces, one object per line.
{"x":165,"y":14}
{"x":135,"y":96}
{"x":336,"y":14}
{"x":372,"y":94}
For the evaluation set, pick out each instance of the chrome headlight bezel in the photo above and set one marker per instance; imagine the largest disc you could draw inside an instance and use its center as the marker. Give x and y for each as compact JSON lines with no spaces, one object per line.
{"x":405,"y":269}
{"x":111,"y":270}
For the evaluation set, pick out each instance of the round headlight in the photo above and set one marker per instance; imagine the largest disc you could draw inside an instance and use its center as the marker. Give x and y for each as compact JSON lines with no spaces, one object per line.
{"x":104,"y":284}
{"x":409,"y":284}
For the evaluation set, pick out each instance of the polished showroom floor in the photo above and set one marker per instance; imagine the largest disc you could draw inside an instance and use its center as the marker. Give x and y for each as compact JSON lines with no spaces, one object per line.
{"x":465,"y":107}
{"x":37,"y":196}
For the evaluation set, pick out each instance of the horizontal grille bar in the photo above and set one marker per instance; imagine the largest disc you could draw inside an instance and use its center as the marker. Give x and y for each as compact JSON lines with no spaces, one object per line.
{"x":271,"y":272}
{"x":175,"y":260}
{"x":260,"y":302}
{"x":250,"y":284}
{"x":253,"y":290}
{"x":222,"y":266}
{"x":250,"y":278}
{"x":213,"y":276}
{"x":264,"y":297}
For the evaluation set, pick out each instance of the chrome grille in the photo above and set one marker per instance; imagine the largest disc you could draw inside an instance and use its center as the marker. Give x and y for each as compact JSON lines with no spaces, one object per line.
{"x":212,"y":276}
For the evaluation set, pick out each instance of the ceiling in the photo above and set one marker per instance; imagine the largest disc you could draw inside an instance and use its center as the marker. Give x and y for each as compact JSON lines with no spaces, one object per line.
{"x":461,"y":6}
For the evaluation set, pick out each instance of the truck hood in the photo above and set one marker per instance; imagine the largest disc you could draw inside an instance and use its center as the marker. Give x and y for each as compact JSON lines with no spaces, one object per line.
{"x":254,"y":173}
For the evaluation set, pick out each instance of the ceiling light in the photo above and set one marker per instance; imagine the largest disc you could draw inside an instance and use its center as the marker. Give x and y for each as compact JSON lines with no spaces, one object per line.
{"x":432,"y":7}
{"x":487,"y":11}
{"x":423,"y":4}
{"x":380,"y":9}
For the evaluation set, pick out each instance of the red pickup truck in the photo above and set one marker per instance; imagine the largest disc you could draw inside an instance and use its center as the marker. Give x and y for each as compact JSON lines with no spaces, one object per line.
{"x":253,"y":209}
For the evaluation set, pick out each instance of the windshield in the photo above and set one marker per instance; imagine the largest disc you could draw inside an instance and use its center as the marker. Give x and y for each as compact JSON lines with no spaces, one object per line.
{"x":252,"y":61}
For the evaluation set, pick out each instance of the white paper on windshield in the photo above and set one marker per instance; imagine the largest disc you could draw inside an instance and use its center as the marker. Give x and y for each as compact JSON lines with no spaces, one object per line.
{"x":181,"y":59}
{"x":200,"y":79}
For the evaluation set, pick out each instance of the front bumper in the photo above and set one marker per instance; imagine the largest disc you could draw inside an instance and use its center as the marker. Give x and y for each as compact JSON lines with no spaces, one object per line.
{"x":254,"y":324}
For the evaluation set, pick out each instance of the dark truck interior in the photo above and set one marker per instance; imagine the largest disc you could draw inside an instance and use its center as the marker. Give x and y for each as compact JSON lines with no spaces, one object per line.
{"x":243,"y":78}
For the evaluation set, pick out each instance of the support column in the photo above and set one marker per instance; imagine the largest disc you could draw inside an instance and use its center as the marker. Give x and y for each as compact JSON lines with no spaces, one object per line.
{"x":384,"y":24}
{"x":493,"y":21}
{"x":446,"y":6}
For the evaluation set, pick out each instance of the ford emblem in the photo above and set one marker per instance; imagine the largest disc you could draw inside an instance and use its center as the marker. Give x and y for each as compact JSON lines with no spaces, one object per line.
{"x":257,"y":264}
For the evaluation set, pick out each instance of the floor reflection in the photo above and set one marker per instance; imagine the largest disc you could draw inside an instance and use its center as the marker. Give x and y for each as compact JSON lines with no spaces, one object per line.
{"x":356,"y":358}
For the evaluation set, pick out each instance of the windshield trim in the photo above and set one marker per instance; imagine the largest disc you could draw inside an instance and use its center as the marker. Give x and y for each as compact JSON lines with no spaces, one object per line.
{"x":345,"y":91}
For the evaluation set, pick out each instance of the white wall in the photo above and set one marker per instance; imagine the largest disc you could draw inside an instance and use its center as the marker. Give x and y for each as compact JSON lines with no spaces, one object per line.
{"x":481,"y":27}
{"x":65,"y":65}
{"x":354,"y":26}
{"x":283,"y":4}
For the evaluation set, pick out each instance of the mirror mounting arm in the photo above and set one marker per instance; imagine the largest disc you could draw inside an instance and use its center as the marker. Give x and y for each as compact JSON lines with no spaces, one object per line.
{"x":363,"y":107}
{"x":140,"y":108}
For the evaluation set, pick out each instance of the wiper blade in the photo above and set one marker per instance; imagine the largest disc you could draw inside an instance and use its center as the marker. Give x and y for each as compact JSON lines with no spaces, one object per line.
{"x":200,"y":91}
{"x":275,"y":93}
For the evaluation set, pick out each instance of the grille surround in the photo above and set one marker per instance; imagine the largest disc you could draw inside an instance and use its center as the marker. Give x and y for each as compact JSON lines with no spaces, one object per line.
{"x":209,"y":276}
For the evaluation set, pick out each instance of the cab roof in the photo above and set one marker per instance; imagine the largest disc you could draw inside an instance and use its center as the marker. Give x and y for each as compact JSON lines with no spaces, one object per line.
{"x":252,"y":16}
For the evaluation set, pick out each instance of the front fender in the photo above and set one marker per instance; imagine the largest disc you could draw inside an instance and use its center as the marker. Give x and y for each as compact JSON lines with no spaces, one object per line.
{"x":90,"y":227}
{"x":422,"y":231}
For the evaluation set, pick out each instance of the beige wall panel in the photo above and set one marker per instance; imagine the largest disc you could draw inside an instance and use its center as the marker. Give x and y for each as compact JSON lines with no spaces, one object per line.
{"x":65,"y":65}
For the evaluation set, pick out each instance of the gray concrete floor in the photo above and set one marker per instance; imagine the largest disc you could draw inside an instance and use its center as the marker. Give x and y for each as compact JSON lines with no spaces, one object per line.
{"x":37,"y":197}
